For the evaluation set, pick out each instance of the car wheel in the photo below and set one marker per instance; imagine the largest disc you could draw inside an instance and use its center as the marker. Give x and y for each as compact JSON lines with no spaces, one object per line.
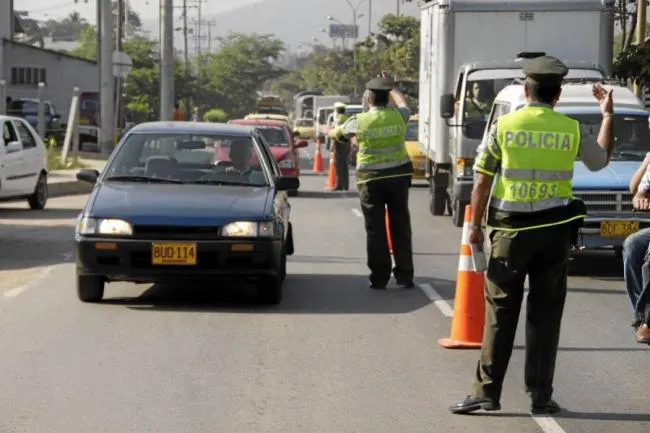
{"x":38,"y":199}
{"x":90,"y":288}
{"x":288,"y":246}
{"x":269,"y":290}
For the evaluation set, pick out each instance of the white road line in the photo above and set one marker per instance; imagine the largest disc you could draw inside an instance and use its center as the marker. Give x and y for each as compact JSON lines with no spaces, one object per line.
{"x":547,"y":424}
{"x":12,"y":293}
{"x":437,"y":300}
{"x":357,"y":212}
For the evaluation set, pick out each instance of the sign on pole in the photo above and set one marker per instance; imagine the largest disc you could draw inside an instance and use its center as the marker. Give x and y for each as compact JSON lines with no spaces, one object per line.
{"x":122,"y":64}
{"x":343,"y":31}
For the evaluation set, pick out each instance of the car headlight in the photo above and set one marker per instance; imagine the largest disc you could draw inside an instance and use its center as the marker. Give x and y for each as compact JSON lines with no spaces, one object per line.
{"x":103,"y":226}
{"x":287,"y":163}
{"x":248,"y":229}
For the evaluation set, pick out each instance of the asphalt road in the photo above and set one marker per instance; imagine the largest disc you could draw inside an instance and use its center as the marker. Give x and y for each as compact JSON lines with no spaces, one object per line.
{"x":333,"y":357}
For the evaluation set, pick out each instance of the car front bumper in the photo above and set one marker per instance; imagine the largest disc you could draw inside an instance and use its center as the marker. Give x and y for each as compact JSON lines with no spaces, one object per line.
{"x":593,"y":235}
{"x":131,"y":260}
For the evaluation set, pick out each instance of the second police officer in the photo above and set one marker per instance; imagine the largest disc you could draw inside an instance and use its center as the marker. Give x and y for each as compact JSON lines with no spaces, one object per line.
{"x":341,"y":150}
{"x":533,"y":218}
{"x":383,"y":174}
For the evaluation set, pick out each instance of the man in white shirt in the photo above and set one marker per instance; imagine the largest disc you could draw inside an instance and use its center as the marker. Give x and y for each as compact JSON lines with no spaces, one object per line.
{"x":636,"y":256}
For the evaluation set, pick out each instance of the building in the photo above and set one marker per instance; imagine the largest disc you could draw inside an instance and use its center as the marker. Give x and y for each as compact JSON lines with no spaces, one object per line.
{"x":23,"y":66}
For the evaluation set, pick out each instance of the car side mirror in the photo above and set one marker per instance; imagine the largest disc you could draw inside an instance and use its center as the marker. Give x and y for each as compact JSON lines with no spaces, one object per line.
{"x":14,"y":146}
{"x":287,"y":183}
{"x":300,"y":144}
{"x":447,"y":106}
{"x":88,"y":175}
{"x":474,"y":128}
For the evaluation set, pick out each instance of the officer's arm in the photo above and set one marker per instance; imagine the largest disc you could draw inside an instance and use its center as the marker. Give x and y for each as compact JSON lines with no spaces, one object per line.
{"x":595,"y":154}
{"x":486,"y":166}
{"x":345,"y":131}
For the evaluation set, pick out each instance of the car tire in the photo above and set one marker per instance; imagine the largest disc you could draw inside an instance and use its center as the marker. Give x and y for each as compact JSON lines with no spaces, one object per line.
{"x":283,"y":266}
{"x":38,"y":199}
{"x":269,"y":290}
{"x":288,"y":244}
{"x":90,"y":288}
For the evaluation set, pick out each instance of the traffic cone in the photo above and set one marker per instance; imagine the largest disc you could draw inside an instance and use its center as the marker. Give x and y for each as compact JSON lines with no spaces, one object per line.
{"x":318,"y":159}
{"x":388,"y":235}
{"x":469,"y":304}
{"x":331,"y":176}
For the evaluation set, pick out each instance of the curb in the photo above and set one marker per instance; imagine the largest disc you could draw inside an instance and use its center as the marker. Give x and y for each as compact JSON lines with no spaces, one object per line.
{"x":72,"y":187}
{"x":90,"y":155}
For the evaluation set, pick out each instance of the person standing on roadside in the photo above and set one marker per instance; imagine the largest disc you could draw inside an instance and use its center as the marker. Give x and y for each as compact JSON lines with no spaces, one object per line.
{"x":636,"y":256}
{"x":533,"y":218}
{"x":341,"y":150}
{"x":384,"y":173}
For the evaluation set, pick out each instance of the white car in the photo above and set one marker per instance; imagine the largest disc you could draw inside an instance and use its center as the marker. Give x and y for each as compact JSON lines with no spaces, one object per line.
{"x":23,"y":163}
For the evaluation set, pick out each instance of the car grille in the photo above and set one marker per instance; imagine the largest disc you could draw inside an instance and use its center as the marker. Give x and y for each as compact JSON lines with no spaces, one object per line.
{"x":606,"y":201}
{"x":174,"y":232}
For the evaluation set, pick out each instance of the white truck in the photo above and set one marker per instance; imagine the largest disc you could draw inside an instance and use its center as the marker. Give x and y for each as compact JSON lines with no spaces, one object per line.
{"x":469,"y":51}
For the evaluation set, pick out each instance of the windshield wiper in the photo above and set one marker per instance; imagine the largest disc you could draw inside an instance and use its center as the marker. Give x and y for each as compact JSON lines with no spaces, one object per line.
{"x":219,"y":182}
{"x":143,"y":179}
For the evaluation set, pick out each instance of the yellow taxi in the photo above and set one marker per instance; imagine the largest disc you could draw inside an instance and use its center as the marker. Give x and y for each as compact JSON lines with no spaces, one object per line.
{"x":418,"y":159}
{"x":279,"y":117}
{"x":304,"y":127}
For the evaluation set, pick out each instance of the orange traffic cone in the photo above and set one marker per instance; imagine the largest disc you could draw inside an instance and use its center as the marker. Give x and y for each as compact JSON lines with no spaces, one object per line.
{"x":318,"y":159}
{"x":388,"y":235}
{"x":331,"y":176}
{"x":469,"y":304}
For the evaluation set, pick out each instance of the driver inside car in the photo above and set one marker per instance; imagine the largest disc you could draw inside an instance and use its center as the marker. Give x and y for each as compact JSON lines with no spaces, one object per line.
{"x":240,"y":156}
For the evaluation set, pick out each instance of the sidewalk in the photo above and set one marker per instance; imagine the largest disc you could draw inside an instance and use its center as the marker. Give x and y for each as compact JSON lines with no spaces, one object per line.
{"x":64,"y":182}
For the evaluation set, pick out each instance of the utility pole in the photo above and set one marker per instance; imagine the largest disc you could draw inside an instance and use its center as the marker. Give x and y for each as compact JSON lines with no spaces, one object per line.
{"x":107,"y":92}
{"x":186,"y":59}
{"x":369,"y":18}
{"x":640,"y":37}
{"x":121,"y":25}
{"x":397,"y":6}
{"x":167,"y":97}
{"x":198,"y":30}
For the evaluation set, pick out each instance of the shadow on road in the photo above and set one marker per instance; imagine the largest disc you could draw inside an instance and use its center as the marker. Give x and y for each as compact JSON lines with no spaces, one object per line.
{"x":303,"y":294}
{"x":602,"y":266}
{"x":29,"y":246}
{"x":595,"y":349}
{"x":603,"y":416}
{"x":17,"y":213}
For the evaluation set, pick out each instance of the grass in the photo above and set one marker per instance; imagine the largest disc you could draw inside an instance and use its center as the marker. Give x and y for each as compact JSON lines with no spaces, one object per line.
{"x":54,"y":161}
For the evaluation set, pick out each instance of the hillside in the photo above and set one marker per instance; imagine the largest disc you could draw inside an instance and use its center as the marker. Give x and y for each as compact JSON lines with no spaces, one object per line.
{"x":296,"y":21}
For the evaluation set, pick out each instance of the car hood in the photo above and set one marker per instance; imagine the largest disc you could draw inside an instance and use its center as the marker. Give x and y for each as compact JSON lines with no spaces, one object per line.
{"x":279,"y":153}
{"x":187,"y":205}
{"x":616,"y":175}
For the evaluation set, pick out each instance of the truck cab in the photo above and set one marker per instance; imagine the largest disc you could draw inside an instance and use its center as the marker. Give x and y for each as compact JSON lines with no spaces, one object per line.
{"x":605,"y":192}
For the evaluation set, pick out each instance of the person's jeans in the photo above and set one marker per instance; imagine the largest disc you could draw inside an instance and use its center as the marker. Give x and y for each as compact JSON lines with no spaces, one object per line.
{"x":636,"y":271}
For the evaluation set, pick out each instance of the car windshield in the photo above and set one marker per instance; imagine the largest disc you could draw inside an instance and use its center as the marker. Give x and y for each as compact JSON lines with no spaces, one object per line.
{"x":304,"y":123}
{"x":185,"y":158}
{"x":412,"y":131}
{"x":276,"y":136}
{"x":631,"y":134}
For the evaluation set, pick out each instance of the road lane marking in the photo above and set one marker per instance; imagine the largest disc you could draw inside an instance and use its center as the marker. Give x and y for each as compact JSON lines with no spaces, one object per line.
{"x":437,"y":300}
{"x":357,"y":212}
{"x":13,"y":292}
{"x":547,"y":424}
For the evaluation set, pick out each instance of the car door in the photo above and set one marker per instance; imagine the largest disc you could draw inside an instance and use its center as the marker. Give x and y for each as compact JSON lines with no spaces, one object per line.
{"x":11,"y":162}
{"x":33,"y":155}
{"x":281,"y":200}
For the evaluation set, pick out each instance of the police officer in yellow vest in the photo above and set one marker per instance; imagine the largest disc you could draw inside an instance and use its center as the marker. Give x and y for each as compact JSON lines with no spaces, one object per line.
{"x":341,"y":150}
{"x":532,"y":217}
{"x":383,"y":174}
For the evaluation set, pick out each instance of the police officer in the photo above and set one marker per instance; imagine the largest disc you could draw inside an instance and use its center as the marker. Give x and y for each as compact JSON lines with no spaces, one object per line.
{"x":384,"y":174}
{"x":341,"y":150}
{"x":532,"y":216}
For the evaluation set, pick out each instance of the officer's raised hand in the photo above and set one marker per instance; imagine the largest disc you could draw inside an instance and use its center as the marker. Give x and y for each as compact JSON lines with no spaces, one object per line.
{"x":604,"y":98}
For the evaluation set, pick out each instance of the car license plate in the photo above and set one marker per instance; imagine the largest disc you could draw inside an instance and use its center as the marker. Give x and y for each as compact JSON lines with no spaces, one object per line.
{"x":618,"y":229}
{"x":173,"y":254}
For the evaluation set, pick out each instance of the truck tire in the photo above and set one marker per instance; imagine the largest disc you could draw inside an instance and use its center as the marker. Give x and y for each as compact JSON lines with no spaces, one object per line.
{"x":437,"y":200}
{"x":458,"y":212}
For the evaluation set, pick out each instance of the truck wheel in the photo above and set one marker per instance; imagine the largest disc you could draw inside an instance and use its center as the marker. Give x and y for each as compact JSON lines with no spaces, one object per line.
{"x":437,"y":200}
{"x":90,"y":288}
{"x":458,"y":212}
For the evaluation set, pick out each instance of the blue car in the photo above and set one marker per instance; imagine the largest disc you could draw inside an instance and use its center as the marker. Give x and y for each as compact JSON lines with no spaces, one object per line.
{"x":181,"y":201}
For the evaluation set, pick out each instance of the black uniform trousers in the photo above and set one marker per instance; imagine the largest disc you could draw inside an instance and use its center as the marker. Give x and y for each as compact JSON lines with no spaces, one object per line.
{"x":341,"y":150}
{"x":375,"y":196}
{"x":543,"y":254}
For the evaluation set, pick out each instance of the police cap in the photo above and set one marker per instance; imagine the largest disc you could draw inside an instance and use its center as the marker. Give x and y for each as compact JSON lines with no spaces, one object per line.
{"x":379,"y":84}
{"x":545,"y":70}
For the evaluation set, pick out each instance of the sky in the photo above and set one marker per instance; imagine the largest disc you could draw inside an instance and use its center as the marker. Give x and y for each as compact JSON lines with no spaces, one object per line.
{"x":147,"y":9}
